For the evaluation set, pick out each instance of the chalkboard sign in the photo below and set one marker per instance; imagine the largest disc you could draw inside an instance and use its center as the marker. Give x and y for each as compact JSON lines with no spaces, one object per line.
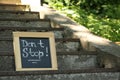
{"x":34,"y":51}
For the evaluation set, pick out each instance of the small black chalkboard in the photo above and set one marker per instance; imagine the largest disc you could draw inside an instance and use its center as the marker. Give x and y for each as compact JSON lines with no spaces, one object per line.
{"x":34,"y":51}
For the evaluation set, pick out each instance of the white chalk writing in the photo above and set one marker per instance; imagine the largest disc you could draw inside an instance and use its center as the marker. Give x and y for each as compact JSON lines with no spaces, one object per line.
{"x":34,"y":49}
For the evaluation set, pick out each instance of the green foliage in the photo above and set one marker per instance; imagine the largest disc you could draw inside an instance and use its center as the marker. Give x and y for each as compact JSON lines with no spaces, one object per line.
{"x":100,"y":16}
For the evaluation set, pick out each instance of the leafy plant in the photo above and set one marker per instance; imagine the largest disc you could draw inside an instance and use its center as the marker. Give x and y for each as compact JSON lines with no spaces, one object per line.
{"x":100,"y":16}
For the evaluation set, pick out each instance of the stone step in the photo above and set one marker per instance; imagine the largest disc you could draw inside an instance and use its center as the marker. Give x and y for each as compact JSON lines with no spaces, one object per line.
{"x":19,"y":15}
{"x":80,"y":74}
{"x":61,"y":45}
{"x":25,"y":22}
{"x":67,"y":61}
{"x":14,"y":7}
{"x":6,"y":31}
{"x":11,"y":28}
{"x":26,"y":25}
{"x":7,"y":35}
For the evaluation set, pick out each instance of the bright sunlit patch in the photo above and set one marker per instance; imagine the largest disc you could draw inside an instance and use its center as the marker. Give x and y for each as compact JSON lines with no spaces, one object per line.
{"x":31,"y":2}
{"x":34,"y":4}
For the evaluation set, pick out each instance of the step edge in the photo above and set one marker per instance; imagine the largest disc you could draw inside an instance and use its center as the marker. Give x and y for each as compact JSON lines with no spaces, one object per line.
{"x":52,"y":72}
{"x":28,"y":28}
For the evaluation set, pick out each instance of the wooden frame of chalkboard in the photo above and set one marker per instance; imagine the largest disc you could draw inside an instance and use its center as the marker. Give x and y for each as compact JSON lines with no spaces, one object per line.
{"x":34,"y":51}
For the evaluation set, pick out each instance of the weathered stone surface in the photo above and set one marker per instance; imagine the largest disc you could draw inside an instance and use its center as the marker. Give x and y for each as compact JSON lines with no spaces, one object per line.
{"x":89,"y":76}
{"x":7,"y":63}
{"x":82,"y":76}
{"x":108,"y":61}
{"x":76,"y":62}
{"x":65,"y":62}
{"x":58,"y":34}
{"x":26,"y":23}
{"x":9,"y":33}
{"x":6,"y":46}
{"x":68,"y":33}
{"x":19,"y":15}
{"x":68,"y":46}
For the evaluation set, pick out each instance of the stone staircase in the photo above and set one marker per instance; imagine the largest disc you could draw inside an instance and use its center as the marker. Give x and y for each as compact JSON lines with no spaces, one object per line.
{"x":74,"y":63}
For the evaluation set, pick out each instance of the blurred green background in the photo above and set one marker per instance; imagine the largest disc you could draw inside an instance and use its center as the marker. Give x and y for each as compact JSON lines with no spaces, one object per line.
{"x":102,"y":17}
